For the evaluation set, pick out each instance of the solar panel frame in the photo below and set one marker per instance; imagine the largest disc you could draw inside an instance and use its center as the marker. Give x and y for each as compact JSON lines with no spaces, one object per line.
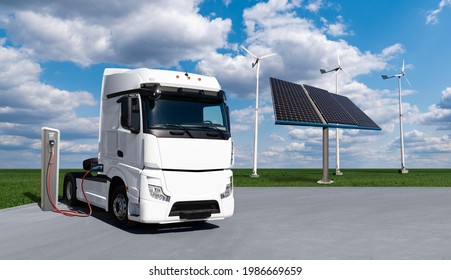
{"x":305,"y":105}
{"x":292,"y":104}
{"x":329,"y":107}
{"x":357,"y":114}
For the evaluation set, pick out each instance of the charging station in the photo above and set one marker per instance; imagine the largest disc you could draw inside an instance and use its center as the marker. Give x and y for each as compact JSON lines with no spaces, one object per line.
{"x":49,"y":167}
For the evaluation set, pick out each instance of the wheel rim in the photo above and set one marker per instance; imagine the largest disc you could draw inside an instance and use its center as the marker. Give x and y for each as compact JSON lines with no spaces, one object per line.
{"x":120,"y":207}
{"x":69,"y":190}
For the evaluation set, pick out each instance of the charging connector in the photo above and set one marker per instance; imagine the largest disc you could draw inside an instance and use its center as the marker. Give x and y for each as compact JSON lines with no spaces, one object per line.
{"x":52,"y":140}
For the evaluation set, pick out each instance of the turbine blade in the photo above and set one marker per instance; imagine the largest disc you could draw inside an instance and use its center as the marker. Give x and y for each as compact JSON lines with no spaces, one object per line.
{"x":253,"y":55}
{"x":385,"y":77}
{"x":268,"y":55}
{"x":347,"y":74}
{"x":405,"y":76}
{"x":338,"y":59}
{"x":402,"y":70}
{"x":322,"y":71}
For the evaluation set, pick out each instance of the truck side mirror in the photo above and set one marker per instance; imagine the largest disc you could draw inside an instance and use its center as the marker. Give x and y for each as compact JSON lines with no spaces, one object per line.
{"x":129,"y":118}
{"x":228,"y":118}
{"x":222,"y":95}
{"x":126,"y":111}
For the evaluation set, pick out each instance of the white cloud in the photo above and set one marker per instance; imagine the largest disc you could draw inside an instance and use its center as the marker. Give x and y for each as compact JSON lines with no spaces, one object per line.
{"x":390,"y":51}
{"x":234,"y":73}
{"x":54,"y":38}
{"x":16,"y":68}
{"x":13,"y":140}
{"x":296,"y":147}
{"x":27,"y":104}
{"x":86,"y":33}
{"x":247,"y":115}
{"x":432,"y":15}
{"x":314,"y":5}
{"x":438,"y":115}
{"x":21,"y":88}
{"x":227,"y":2}
{"x":305,"y":134}
{"x":336,"y":29}
{"x":75,"y":147}
{"x":276,"y":138}
{"x":445,"y":100}
{"x":241,"y":127}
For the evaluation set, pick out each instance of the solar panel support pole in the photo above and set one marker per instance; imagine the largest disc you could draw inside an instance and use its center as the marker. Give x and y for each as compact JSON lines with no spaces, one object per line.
{"x":254,"y":170}
{"x":337,"y":139}
{"x":325,"y":179}
{"x":403,"y":169}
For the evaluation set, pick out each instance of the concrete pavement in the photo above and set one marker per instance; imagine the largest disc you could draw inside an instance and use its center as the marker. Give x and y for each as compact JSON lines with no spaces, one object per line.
{"x":316,"y":223}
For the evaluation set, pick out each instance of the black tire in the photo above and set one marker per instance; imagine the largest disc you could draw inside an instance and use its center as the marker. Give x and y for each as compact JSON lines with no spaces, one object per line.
{"x":70,"y":189}
{"x":119,"y":207}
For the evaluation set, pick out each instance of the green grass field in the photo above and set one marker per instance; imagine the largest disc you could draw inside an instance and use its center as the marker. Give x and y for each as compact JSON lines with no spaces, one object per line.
{"x":351,"y":178}
{"x":22,"y":186}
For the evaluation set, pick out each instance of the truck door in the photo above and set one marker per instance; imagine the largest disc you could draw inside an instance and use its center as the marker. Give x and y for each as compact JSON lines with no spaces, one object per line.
{"x":129,"y":146}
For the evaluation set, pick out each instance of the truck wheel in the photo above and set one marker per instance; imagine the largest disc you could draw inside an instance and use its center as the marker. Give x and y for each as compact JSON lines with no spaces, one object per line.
{"x":70,"y":189}
{"x":119,"y":207}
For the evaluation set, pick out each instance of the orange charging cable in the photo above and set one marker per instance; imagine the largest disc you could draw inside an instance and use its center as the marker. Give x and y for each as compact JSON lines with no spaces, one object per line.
{"x":70,"y":213}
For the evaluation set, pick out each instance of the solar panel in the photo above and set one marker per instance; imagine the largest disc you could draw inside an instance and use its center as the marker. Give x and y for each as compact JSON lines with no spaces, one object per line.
{"x":292,"y":104}
{"x":310,"y":106}
{"x":329,"y":107}
{"x":362,"y":119}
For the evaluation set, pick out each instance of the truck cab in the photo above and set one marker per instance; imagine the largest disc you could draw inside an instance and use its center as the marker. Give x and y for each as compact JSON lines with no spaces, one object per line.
{"x":165,"y":149}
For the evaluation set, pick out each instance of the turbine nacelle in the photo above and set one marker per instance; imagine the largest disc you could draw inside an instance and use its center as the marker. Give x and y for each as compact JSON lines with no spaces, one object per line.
{"x":257,"y":59}
{"x":336,"y":70}
{"x":402,"y":74}
{"x":332,"y":70}
{"x":255,"y":63}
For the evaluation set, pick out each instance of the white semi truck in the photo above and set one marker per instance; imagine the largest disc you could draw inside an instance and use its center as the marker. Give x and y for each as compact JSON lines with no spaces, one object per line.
{"x":165,"y":149}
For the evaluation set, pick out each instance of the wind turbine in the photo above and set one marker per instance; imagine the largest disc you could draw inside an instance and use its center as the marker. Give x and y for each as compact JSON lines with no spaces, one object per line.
{"x":337,"y":131}
{"x":403,"y":169}
{"x":256,"y":63}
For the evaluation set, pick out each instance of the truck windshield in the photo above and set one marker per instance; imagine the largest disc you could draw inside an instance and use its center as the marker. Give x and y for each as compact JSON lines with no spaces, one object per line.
{"x":186,"y":115}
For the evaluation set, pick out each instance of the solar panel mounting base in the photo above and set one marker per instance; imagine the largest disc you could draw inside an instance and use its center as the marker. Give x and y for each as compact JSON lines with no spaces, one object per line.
{"x":325,"y":182}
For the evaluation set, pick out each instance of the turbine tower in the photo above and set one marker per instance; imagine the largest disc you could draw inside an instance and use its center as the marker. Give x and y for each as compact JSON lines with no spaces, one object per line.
{"x":256,"y":63}
{"x":403,"y":169}
{"x":337,"y":131}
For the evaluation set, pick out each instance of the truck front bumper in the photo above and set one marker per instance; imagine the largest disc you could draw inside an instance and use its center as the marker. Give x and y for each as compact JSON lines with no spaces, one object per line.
{"x":185,"y":196}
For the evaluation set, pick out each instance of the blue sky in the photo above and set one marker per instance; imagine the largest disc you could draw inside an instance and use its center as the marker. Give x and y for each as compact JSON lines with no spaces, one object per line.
{"x":52,"y":56}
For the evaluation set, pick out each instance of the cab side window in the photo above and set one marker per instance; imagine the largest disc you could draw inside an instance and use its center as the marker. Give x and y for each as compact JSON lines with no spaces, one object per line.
{"x":130,"y":113}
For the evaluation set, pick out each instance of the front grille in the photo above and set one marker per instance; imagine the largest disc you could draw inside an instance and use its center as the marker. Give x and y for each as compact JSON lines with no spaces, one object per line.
{"x":186,"y":208}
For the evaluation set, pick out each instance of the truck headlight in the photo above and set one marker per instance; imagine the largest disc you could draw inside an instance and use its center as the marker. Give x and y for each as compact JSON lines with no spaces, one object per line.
{"x":157,"y":193}
{"x":229,"y":189}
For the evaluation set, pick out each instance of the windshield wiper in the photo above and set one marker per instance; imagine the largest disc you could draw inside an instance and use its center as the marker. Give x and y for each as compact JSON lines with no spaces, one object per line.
{"x":179,"y":126}
{"x":214,"y":127}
